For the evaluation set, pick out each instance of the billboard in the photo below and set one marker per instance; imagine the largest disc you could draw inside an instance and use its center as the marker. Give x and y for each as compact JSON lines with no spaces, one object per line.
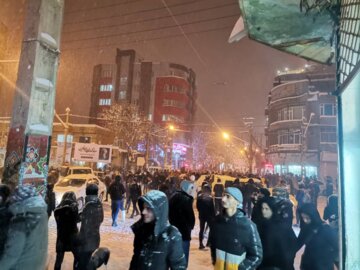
{"x":91,"y":152}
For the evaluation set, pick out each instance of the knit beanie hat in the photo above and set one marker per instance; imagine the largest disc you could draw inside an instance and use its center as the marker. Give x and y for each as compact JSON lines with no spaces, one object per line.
{"x":22,"y":193}
{"x":188,"y":187}
{"x":236,"y":194}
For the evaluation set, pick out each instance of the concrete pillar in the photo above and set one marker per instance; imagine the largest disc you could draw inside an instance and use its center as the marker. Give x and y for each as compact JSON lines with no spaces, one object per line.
{"x":28,"y":147}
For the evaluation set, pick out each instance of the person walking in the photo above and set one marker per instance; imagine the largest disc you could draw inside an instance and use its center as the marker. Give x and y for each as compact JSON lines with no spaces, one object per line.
{"x":107,"y":182}
{"x":320,"y":240}
{"x":50,"y":199}
{"x":27,"y":238}
{"x":284,"y":206}
{"x":66,"y":216}
{"x":91,"y":219}
{"x":135,"y":193}
{"x":235,"y":242}
{"x":331,"y":212}
{"x":249,"y":190}
{"x":218,"y":192}
{"x":181,"y":213}
{"x":278,"y":240}
{"x":206,"y":209}
{"x":256,"y":214}
{"x":117,"y":191}
{"x":157,"y":244}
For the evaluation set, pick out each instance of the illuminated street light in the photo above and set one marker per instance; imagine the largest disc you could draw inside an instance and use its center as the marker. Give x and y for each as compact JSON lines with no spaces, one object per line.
{"x":171,"y":127}
{"x":226,"y":135}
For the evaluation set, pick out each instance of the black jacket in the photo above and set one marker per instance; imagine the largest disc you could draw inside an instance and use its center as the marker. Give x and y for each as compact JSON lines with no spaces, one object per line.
{"x":320,"y":240}
{"x":92,"y":217}
{"x":235,"y":242}
{"x":135,"y":191}
{"x":5,"y":217}
{"x":181,"y":213}
{"x":66,"y":217}
{"x":218,"y":190}
{"x":157,"y":246}
{"x":205,"y":206}
{"x":116,"y":191}
{"x":279,"y":245}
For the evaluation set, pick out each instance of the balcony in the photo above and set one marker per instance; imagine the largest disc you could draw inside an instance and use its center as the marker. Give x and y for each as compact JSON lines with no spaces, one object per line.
{"x":285,"y":148}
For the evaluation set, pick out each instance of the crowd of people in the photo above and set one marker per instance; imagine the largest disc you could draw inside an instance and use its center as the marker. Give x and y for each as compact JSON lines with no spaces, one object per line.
{"x":248,"y":225}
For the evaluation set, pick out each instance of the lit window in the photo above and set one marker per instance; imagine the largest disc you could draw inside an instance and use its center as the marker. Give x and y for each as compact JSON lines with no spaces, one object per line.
{"x":105,"y":102}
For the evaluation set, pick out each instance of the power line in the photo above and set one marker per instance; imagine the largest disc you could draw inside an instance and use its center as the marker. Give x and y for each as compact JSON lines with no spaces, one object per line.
{"x":135,"y":12}
{"x":144,"y":40}
{"x":152,"y":29}
{"x":149,"y":19}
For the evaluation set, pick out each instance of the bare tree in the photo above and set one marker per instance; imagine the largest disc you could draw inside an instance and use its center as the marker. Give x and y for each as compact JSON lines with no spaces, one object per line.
{"x":129,"y":126}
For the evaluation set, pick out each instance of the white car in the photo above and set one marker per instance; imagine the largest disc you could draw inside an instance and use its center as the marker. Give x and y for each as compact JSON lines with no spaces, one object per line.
{"x":77,"y":183}
{"x":70,"y":170}
{"x":224,"y":179}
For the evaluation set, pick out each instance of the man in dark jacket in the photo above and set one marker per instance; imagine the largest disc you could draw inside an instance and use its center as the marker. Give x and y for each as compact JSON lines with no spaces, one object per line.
{"x":181,"y":213}
{"x":67,"y":217}
{"x":283,"y":204}
{"x":92,"y":217}
{"x":218,"y":192}
{"x":205,"y":206}
{"x":135,"y":193}
{"x":249,"y":190}
{"x":50,"y":199}
{"x":116,"y":191}
{"x":157,"y":244}
{"x":235,"y":242}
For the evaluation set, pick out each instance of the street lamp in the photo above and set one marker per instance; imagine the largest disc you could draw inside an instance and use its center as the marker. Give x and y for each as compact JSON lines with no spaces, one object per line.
{"x":226,"y":135}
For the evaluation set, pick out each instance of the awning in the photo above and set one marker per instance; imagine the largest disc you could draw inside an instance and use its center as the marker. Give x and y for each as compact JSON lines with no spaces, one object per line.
{"x":281,"y":25}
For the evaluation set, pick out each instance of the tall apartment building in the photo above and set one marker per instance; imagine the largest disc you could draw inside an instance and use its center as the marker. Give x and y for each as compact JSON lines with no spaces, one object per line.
{"x":165,"y":92}
{"x":301,"y":131}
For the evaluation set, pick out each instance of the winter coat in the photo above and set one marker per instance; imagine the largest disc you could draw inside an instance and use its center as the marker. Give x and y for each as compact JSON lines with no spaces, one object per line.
{"x":181,"y":213}
{"x":135,"y":191}
{"x":218,"y":190}
{"x":27,"y":241}
{"x":320,"y":240}
{"x":205,"y":206}
{"x":157,"y":246}
{"x":116,"y":191}
{"x":331,"y":212}
{"x":50,"y":201}
{"x":5,"y":217}
{"x":235,"y":243}
{"x":279,"y":245}
{"x":284,"y":210}
{"x":92,"y":217}
{"x":66,"y":217}
{"x":249,"y":189}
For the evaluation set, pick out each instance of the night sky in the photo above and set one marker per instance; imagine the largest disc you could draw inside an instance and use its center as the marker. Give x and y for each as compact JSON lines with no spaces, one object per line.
{"x":233,"y":80}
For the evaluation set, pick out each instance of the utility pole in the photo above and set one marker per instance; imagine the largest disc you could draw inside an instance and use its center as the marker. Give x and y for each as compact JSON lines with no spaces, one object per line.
{"x":66,"y":132}
{"x":27,"y":155}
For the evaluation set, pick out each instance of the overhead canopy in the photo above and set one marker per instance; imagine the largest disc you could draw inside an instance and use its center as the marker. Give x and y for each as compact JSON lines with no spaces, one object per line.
{"x":283,"y":26}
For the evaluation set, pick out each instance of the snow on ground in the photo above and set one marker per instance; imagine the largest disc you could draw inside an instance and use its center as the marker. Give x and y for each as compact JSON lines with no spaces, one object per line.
{"x":120,"y":242}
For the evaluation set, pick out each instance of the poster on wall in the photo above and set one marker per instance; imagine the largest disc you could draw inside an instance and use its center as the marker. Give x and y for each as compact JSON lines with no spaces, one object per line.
{"x":34,"y":167}
{"x":90,"y":152}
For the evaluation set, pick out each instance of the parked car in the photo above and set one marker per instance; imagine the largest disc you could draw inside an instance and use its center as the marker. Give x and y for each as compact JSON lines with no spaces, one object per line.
{"x":226,"y":180}
{"x":77,"y":183}
{"x":70,"y":170}
{"x":100,"y":175}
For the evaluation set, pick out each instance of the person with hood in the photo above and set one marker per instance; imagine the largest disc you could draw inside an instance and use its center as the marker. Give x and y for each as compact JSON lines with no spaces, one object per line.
{"x":277,"y":239}
{"x":5,"y":215}
{"x":27,"y":239}
{"x":331,"y":212}
{"x":181,"y":213}
{"x":66,"y":216}
{"x":283,"y":205}
{"x":320,"y":240}
{"x":157,"y":244}
{"x":256,"y":214}
{"x":91,"y":219}
{"x":205,"y":206}
{"x":117,"y":191}
{"x":50,"y":199}
{"x":218,"y":192}
{"x":235,"y":242}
